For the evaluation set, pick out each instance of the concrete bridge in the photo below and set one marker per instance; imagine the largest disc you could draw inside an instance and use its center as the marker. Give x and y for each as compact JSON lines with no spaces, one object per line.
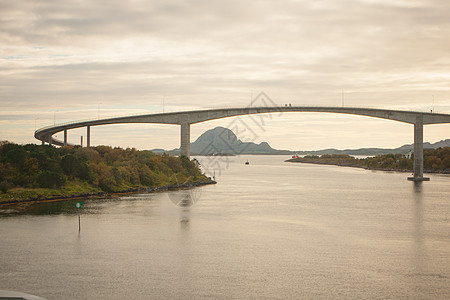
{"x":186,"y":118}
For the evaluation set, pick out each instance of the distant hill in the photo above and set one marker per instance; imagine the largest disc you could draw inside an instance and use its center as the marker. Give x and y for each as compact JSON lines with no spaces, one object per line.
{"x":220,"y":141}
{"x":378,"y":151}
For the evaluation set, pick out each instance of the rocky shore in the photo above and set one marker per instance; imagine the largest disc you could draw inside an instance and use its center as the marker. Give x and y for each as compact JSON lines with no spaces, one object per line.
{"x":40,"y":199}
{"x":364,"y":167}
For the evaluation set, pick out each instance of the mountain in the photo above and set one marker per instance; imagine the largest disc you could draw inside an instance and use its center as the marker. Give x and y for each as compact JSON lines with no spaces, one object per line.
{"x":223,"y":141}
{"x":220,"y":141}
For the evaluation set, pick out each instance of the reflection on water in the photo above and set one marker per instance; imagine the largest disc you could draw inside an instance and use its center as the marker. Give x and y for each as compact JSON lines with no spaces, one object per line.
{"x":185,"y":217}
{"x":44,"y":208}
{"x":185,"y":197}
{"x":184,"y":222}
{"x":419,"y":245}
{"x":182,"y":198}
{"x":269,"y":230}
{"x":421,"y":256}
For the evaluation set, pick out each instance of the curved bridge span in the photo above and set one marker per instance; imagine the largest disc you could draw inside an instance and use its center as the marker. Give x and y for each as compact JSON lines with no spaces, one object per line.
{"x":186,"y":118}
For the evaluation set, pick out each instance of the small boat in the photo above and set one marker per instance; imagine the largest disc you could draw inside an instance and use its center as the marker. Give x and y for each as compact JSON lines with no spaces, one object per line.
{"x":295,"y":155}
{"x":247,"y":163}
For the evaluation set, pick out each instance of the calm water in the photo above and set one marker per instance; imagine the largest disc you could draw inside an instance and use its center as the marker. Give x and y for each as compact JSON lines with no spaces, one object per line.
{"x":269,"y":230}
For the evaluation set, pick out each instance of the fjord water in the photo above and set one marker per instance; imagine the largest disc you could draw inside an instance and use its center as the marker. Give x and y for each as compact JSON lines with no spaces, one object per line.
{"x":267,"y":230}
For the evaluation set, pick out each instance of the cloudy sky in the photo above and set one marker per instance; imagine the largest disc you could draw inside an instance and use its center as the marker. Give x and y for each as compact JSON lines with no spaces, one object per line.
{"x":82,"y":59}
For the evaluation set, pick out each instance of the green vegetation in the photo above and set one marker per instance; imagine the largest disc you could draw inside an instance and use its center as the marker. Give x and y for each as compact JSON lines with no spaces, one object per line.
{"x":43,"y":171}
{"x":435,"y":161}
{"x":331,"y":159}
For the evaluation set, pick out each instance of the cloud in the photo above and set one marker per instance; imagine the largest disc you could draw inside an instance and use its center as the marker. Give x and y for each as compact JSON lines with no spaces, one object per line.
{"x":73,"y":54}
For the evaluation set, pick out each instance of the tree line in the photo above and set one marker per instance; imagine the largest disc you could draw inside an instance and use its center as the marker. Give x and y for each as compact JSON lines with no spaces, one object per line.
{"x":434,"y":161}
{"x":105,"y":168}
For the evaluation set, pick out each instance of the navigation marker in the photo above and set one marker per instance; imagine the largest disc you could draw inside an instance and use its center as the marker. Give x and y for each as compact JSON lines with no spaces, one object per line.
{"x":78,"y":205}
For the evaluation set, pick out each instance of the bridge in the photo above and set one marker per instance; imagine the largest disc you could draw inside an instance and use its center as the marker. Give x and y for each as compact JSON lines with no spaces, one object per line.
{"x":186,"y":118}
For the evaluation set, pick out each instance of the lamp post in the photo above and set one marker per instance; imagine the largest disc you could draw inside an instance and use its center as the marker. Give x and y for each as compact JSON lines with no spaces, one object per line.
{"x":98,"y":111}
{"x":433,"y":104}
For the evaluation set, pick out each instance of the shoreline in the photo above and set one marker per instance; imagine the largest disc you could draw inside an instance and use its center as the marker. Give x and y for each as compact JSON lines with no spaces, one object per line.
{"x":164,"y":188}
{"x":365,"y":167}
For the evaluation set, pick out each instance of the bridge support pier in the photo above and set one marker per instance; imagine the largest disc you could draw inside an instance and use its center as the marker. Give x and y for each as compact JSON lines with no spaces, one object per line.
{"x":50,"y":140}
{"x":65,"y":137}
{"x":418,"y":151}
{"x":185,"y":148}
{"x":88,"y":136}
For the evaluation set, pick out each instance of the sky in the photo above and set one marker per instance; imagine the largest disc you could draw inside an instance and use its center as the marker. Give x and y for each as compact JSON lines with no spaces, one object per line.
{"x":71,"y":60}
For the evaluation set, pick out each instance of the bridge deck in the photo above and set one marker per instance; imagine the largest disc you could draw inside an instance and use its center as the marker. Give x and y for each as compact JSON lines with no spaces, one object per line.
{"x":197,"y":116}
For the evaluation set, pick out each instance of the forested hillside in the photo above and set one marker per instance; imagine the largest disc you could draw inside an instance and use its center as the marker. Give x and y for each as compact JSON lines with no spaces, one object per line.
{"x":35,"y":170}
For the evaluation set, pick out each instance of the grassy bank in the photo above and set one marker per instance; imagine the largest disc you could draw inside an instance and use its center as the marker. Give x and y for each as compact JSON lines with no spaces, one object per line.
{"x":45,"y":172}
